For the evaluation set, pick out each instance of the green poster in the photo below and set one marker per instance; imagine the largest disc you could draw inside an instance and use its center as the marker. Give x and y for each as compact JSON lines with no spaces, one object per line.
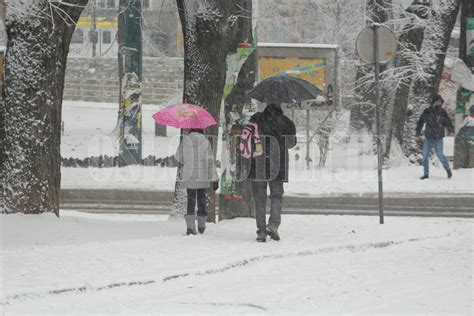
{"x":234,"y":64}
{"x":470,"y":36}
{"x":463,"y":97}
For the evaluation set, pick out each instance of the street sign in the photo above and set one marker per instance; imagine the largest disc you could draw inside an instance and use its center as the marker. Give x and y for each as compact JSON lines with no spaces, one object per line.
{"x":387,"y":44}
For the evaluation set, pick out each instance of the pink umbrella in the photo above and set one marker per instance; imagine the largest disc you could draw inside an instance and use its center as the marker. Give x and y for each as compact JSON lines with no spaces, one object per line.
{"x":184,"y":115}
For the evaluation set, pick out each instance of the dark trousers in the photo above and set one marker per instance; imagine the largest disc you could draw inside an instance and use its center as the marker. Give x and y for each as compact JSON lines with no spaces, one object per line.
{"x":259,"y":190}
{"x":200,"y":196}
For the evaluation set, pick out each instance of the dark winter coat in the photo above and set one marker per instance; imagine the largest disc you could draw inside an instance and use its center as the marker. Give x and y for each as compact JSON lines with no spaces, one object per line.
{"x":436,"y":120}
{"x":277,"y":135}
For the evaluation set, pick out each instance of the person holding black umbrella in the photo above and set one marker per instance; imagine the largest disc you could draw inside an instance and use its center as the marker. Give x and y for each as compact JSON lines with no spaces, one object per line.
{"x":269,"y":134}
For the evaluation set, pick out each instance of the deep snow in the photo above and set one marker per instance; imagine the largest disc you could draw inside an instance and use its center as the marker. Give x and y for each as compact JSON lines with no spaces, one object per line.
{"x":323,"y":264}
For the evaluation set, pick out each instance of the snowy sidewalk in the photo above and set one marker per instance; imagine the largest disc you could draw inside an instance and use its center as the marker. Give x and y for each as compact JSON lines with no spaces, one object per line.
{"x":351,"y":167}
{"x":84,"y":263}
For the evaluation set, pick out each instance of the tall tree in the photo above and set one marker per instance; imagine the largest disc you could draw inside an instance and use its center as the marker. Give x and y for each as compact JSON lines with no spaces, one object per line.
{"x":2,"y":110}
{"x":235,"y":198}
{"x":208,"y":27}
{"x":409,"y":44}
{"x":39,"y":33}
{"x":247,"y":75}
{"x":363,"y":115}
{"x":433,"y":53}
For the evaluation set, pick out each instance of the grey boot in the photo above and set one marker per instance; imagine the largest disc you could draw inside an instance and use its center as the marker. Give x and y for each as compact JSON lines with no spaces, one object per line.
{"x":201,"y":223}
{"x":190,"y":224}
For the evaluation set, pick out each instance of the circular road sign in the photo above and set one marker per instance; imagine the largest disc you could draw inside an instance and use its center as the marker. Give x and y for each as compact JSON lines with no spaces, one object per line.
{"x":387,"y":44}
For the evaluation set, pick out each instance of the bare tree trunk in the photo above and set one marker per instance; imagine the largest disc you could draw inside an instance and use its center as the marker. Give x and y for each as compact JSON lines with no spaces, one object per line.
{"x":408,"y":43}
{"x":2,"y":112}
{"x":39,"y":34}
{"x":247,"y":75}
{"x":208,"y":27}
{"x":235,"y":198}
{"x":435,"y":46}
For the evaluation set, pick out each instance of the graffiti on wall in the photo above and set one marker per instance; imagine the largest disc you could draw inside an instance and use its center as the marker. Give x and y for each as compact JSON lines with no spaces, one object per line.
{"x":309,"y":69}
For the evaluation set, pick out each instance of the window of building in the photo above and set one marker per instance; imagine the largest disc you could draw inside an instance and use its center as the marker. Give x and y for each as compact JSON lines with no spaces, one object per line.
{"x":77,"y":37}
{"x":106,"y":37}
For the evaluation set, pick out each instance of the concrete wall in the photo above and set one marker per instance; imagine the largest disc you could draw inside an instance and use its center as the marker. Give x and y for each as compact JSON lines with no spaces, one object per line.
{"x":96,"y":80}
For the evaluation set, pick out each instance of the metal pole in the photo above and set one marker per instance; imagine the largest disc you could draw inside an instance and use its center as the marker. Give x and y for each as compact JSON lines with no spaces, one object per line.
{"x":335,"y":96}
{"x":307,"y":137}
{"x":94,"y":31}
{"x":379,"y":121}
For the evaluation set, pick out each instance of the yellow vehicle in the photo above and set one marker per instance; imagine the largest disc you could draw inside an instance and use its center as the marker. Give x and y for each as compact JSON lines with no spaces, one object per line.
{"x":94,"y":38}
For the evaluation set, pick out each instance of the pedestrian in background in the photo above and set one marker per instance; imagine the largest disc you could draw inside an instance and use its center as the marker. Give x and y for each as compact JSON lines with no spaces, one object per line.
{"x":435,"y":119}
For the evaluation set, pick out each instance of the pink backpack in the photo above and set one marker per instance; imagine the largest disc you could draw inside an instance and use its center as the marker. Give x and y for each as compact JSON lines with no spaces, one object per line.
{"x":250,"y":136}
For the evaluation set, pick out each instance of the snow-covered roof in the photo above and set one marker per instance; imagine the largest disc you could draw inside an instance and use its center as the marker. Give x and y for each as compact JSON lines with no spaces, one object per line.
{"x":303,"y":45}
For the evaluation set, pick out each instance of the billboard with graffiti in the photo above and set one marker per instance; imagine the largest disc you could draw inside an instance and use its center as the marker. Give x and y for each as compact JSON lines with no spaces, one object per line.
{"x":309,"y":69}
{"x":316,"y":63}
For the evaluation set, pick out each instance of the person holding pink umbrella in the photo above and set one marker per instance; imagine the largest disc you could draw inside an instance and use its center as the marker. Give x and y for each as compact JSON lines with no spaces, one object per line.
{"x":199,"y":170}
{"x":195,"y":156}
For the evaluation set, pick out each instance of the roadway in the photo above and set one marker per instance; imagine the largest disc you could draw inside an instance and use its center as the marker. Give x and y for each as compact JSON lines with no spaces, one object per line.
{"x":395,"y":204}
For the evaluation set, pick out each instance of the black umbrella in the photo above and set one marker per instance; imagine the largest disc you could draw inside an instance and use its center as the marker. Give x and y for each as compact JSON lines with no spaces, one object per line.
{"x":284,"y":89}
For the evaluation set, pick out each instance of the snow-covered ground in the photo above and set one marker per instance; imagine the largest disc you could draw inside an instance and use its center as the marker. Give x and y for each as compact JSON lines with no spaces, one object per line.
{"x":89,"y":132}
{"x":107,"y":264}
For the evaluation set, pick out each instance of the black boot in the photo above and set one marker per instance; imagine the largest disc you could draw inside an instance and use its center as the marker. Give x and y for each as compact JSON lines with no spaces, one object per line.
{"x":261,"y":237}
{"x":425,"y":176}
{"x":450,"y":174}
{"x":273,"y":233}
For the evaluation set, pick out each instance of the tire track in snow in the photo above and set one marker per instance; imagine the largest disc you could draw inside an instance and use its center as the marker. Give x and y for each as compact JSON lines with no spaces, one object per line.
{"x":229,"y":304}
{"x":238,"y":264}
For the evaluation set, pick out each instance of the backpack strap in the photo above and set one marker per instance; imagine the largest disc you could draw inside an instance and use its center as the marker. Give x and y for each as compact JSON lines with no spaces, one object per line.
{"x":250,"y":145}
{"x":256,"y":138}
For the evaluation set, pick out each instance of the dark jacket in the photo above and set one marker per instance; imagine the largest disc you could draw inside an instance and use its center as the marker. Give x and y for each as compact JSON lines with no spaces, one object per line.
{"x":277,"y":135}
{"x":436,"y":120}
